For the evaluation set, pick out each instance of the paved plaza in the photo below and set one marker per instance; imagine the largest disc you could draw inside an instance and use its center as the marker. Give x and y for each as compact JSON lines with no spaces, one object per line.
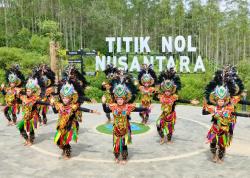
{"x":92,"y":156}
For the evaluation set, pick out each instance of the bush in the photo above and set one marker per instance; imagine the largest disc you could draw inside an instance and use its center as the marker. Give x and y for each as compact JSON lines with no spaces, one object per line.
{"x":94,"y":93}
{"x":244,"y":71}
{"x":39,"y":44}
{"x":27,"y":60}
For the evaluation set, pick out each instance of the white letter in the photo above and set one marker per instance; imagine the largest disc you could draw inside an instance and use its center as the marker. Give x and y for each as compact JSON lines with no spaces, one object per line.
{"x":110,"y":41}
{"x":190,"y":47}
{"x":100,"y":63}
{"x":171,"y":62}
{"x":160,"y":58}
{"x":167,"y":44}
{"x":144,"y":44}
{"x":199,"y":65}
{"x":179,"y":40}
{"x":136,"y":41}
{"x":119,"y":44}
{"x":114,"y":61}
{"x":123,"y":62}
{"x":184,"y":62}
{"x":127,"y":41}
{"x":135,"y":64}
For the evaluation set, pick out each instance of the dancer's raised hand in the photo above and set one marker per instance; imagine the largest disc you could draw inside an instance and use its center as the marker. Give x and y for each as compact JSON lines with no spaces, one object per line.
{"x":103,"y":99}
{"x":194,"y":102}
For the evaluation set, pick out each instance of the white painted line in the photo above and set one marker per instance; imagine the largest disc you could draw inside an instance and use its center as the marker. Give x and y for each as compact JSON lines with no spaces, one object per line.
{"x":166,"y":158}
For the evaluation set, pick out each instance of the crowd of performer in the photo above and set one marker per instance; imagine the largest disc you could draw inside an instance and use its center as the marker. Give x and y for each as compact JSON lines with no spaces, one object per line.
{"x":34,"y":95}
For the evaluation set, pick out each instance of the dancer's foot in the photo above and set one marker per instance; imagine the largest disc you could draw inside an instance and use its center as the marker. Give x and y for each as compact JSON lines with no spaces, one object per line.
{"x":123,"y":162}
{"x":30,"y":143}
{"x":26,"y":143}
{"x":10,"y":123}
{"x":214,"y":158}
{"x":170,"y":142}
{"x":162,"y":141}
{"x":65,"y":157}
{"x":117,"y":161}
{"x":220,"y":161}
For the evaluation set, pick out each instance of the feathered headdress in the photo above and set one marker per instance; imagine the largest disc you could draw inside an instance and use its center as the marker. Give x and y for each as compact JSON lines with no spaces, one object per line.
{"x":169,"y":78}
{"x":168,"y":85}
{"x":44,"y":75}
{"x":68,"y":91}
{"x":121,"y":91}
{"x":125,"y":79}
{"x":14,"y":75}
{"x":72,"y":76}
{"x":147,"y":75}
{"x":32,"y":84}
{"x":220,"y":92}
{"x":227,"y":77}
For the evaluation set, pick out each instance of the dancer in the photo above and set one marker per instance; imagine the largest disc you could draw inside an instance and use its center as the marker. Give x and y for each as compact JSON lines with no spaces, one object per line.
{"x":68,"y":108}
{"x":15,"y":80}
{"x":229,"y":78}
{"x":107,"y":87}
{"x":30,"y":101}
{"x":223,"y":111}
{"x":170,"y":84}
{"x":147,"y":78}
{"x":72,"y":76}
{"x":121,"y":109}
{"x":127,"y":79}
{"x":46,"y":78}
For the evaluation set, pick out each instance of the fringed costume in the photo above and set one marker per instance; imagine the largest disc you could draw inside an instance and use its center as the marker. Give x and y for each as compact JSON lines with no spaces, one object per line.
{"x":227,"y":87}
{"x":72,"y":76}
{"x":107,"y":86}
{"x":127,"y":79}
{"x":67,"y":105}
{"x":15,"y":80}
{"x":121,"y":109}
{"x":147,"y":78}
{"x":46,"y":79}
{"x":30,"y":101}
{"x":67,"y":108}
{"x":167,"y":95}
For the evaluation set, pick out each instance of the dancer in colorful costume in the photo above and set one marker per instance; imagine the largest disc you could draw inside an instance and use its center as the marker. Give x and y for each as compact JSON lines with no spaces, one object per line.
{"x":107,"y":87}
{"x":169,"y":85}
{"x":121,"y":109}
{"x":223,"y":112}
{"x":147,"y":79}
{"x":127,"y":79}
{"x":30,"y":101}
{"x":229,"y":78}
{"x":72,"y":76}
{"x":15,"y":80}
{"x":46,"y":78}
{"x":68,"y":107}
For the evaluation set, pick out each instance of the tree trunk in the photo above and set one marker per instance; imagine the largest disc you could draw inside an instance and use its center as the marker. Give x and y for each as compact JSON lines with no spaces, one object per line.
{"x":53,"y":57}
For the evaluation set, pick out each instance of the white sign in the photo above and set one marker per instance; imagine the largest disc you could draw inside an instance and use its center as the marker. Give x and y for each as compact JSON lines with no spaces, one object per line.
{"x":177,"y":45}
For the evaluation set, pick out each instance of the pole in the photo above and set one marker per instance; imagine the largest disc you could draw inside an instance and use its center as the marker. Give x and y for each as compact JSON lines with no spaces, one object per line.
{"x":244,"y":106}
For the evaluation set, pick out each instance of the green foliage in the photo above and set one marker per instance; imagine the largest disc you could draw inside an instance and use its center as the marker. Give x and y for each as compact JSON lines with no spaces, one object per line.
{"x":94,"y":93}
{"x":51,"y":29}
{"x":39,"y":44}
{"x":21,"y":39}
{"x":26,"y":59}
{"x":244,"y":72}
